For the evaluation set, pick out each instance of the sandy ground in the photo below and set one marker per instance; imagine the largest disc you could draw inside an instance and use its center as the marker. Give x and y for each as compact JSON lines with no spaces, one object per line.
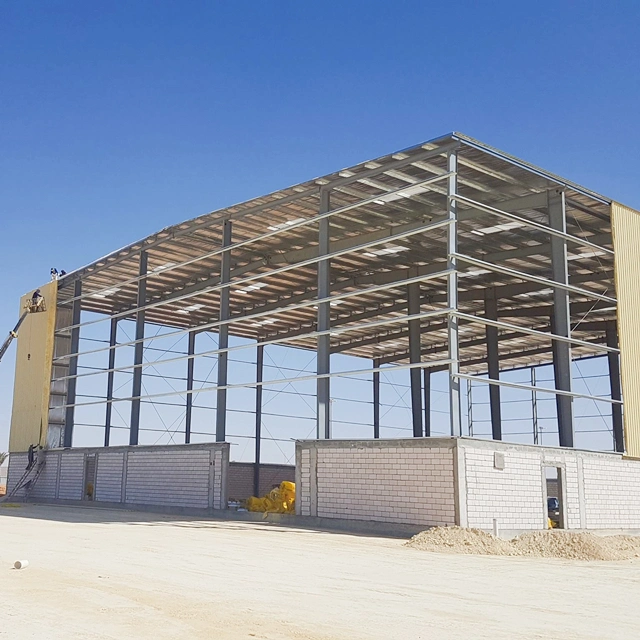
{"x":109,"y":574}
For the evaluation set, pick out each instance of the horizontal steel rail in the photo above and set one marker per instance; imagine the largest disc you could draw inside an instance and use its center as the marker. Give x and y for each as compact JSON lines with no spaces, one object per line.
{"x":528,"y":387}
{"x":252,"y":384}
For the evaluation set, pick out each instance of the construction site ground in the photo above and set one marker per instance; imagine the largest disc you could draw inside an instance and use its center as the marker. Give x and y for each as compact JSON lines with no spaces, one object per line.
{"x":96,"y":573}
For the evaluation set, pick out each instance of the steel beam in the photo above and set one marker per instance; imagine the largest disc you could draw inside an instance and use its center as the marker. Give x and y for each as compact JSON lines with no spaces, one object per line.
{"x":223,"y":335}
{"x":452,"y":296}
{"x":427,"y":401}
{"x":323,"y":352}
{"x":191,"y":350}
{"x":616,"y":389}
{"x":376,"y":399}
{"x":493,"y":362}
{"x":113,"y":340}
{"x":415,"y":349}
{"x":73,"y":366}
{"x":259,"y":372}
{"x":561,"y":318}
{"x":134,"y":425}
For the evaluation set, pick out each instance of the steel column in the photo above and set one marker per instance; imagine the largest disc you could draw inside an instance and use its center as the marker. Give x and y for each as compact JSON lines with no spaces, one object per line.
{"x":113,"y":340}
{"x":376,"y":399}
{"x":223,"y":335}
{"x":73,"y":366}
{"x":493,"y":362}
{"x":259,"y":370}
{"x":537,"y":434}
{"x":134,"y":426}
{"x":452,"y":296}
{"x":191,"y":350}
{"x":616,"y":390}
{"x":561,"y":324}
{"x":427,"y":401}
{"x":323,"y":429}
{"x":415,"y":357}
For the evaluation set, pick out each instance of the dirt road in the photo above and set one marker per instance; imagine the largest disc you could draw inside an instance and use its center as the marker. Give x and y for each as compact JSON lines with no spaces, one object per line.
{"x":109,"y":574}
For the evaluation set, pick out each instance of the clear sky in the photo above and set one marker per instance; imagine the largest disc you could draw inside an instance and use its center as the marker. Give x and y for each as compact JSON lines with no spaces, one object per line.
{"x":117,"y":119}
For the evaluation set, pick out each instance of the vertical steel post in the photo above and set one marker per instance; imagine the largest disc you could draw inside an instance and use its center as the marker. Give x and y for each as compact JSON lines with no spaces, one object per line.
{"x":323,"y":429}
{"x":616,"y":390}
{"x":259,"y":370}
{"x":134,"y":426}
{"x":376,"y":399}
{"x":427,"y":401}
{"x":191,"y":350}
{"x":561,"y":324}
{"x":537,"y":436}
{"x":113,"y":340}
{"x":493,"y":362}
{"x":470,"y":406}
{"x":73,"y":366}
{"x":223,"y":335}
{"x":415,"y":357}
{"x":452,"y":296}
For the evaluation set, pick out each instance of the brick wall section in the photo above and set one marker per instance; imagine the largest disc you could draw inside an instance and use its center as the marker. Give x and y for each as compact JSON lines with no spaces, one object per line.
{"x":514,"y":495}
{"x":179,"y":478}
{"x":46,"y":486}
{"x":180,"y":475}
{"x":612,"y":493}
{"x":109,"y":475}
{"x":303,"y":492}
{"x":241,"y":478}
{"x":387,"y":484}
{"x":71,"y":485}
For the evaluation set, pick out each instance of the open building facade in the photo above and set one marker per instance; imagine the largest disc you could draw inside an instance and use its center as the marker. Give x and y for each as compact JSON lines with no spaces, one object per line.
{"x":448,"y":261}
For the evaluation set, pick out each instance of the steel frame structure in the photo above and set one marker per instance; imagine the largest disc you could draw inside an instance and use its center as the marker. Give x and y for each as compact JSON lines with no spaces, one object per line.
{"x":450,"y":255}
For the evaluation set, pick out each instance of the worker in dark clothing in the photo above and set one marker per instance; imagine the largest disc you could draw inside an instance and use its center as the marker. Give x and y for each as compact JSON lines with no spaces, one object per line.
{"x":31,"y":456}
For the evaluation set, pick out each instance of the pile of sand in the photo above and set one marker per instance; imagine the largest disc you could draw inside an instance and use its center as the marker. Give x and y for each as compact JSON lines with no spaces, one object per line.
{"x":541,"y":544}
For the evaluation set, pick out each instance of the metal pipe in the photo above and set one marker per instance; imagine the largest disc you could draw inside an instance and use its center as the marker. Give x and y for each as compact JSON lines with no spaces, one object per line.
{"x":452,"y":296}
{"x":427,"y":401}
{"x":76,"y":310}
{"x":113,"y":339}
{"x":415,"y":356}
{"x":561,"y":321}
{"x":223,"y":336}
{"x":323,"y":349}
{"x":493,"y":362}
{"x":376,"y":399}
{"x":616,"y":389}
{"x":191,"y":349}
{"x":134,"y":426}
{"x":259,"y":373}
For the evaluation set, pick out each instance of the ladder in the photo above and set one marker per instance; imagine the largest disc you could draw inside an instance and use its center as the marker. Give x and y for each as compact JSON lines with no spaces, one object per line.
{"x":26,"y":481}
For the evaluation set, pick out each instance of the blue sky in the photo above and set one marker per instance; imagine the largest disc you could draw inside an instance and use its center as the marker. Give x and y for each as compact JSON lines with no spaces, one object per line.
{"x":117,"y":119}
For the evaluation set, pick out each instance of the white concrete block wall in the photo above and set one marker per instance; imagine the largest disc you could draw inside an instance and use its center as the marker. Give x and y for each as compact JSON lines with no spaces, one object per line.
{"x":109,"y":475}
{"x":612,"y":492}
{"x":46,"y":486}
{"x":387,"y":484}
{"x":513,"y":495}
{"x":71,"y":479}
{"x":303,"y":493}
{"x":168,"y":477}
{"x":17,"y":466}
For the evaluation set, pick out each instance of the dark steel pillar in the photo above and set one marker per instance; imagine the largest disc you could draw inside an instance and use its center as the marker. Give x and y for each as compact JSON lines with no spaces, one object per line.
{"x":561,"y":324}
{"x":191,"y":349}
{"x":415,"y":357}
{"x":616,"y":389}
{"x":134,"y":428}
{"x":259,"y":372}
{"x":73,"y":366}
{"x":113,"y":340}
{"x":323,"y":429}
{"x":223,"y":336}
{"x":376,"y":399}
{"x":493,"y":363}
{"x":427,"y":402}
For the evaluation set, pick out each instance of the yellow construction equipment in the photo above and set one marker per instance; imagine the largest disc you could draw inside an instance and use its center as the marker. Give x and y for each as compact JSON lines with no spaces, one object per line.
{"x":279,"y":500}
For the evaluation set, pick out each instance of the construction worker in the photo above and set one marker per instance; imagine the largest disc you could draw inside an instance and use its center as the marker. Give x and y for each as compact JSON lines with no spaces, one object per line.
{"x":54,"y":273}
{"x":36,"y":299}
{"x":31,"y":456}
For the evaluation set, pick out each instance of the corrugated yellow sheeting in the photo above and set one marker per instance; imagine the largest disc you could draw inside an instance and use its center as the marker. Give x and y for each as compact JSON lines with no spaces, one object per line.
{"x":34,"y":356}
{"x":625,"y":224}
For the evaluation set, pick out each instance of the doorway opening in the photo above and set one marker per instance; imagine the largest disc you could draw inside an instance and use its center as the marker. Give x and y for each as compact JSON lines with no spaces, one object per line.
{"x":552,"y":477}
